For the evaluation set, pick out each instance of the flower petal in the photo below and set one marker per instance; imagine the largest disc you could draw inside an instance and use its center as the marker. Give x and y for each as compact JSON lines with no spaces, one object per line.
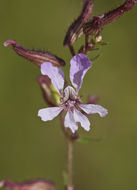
{"x":79,"y":117}
{"x":80,"y":64}
{"x":70,"y":122}
{"x":47,"y":114}
{"x":93,"y":108}
{"x":55,"y":74}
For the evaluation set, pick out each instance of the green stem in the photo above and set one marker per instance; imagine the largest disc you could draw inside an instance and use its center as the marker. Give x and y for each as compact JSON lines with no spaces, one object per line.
{"x":70,"y":139}
{"x":69,"y":143}
{"x":70,"y":161}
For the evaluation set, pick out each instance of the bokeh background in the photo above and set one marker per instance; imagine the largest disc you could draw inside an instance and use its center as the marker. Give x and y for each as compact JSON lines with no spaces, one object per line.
{"x":30,"y":148}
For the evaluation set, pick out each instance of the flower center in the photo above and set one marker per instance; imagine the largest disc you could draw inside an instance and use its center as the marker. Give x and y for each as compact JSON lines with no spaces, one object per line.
{"x":70,"y":98}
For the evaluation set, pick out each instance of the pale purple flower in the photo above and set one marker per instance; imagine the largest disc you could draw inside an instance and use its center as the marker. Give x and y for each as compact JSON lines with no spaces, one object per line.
{"x":70,"y":101}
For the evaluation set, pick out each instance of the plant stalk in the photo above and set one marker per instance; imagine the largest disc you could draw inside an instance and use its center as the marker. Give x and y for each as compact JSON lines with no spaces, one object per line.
{"x":69,"y":143}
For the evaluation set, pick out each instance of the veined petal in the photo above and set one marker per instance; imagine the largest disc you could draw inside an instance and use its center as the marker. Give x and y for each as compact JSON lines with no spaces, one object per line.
{"x":79,"y":117}
{"x":70,"y":122}
{"x":93,"y":108}
{"x":47,"y":114}
{"x":55,"y":74}
{"x":80,"y":64}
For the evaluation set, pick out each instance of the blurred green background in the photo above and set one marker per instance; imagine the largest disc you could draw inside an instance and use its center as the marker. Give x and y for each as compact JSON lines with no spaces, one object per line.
{"x":30,"y":148}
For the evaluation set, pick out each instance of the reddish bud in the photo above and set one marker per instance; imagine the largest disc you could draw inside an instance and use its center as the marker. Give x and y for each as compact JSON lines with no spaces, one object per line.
{"x":114,"y":14}
{"x":69,"y":188}
{"x":36,"y":57}
{"x":93,"y":99}
{"x":95,"y":26}
{"x":86,"y":10}
{"x":76,"y":28}
{"x":29,"y":185}
{"x":45,"y":83}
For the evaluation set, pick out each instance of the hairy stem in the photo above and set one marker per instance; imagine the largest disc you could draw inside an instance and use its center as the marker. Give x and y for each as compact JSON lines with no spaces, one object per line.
{"x":70,"y":139}
{"x":69,"y":143}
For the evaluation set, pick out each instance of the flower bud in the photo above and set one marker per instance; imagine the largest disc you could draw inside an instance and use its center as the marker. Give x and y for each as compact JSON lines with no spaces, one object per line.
{"x":69,"y":187}
{"x":93,"y":99}
{"x":50,"y":96}
{"x":37,"y":57}
{"x":76,"y":28}
{"x":29,"y":185}
{"x":86,"y":10}
{"x":114,"y":14}
{"x":95,"y":26}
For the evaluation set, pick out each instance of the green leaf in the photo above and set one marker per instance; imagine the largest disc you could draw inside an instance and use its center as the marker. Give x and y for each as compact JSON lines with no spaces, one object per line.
{"x":96,"y":48}
{"x":103,"y":43}
{"x":95,"y":58}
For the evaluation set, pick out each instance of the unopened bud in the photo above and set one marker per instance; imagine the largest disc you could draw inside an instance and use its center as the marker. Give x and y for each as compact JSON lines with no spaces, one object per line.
{"x":69,"y":188}
{"x":87,"y":9}
{"x":93,"y":99}
{"x":1,"y":184}
{"x":95,"y":26}
{"x":37,"y":57}
{"x":47,"y":90}
{"x":116,"y":13}
{"x":76,"y":28}
{"x":29,"y":185}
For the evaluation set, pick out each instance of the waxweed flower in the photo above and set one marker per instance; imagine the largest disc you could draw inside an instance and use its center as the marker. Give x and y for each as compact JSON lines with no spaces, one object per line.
{"x":46,"y":88}
{"x":70,"y":101}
